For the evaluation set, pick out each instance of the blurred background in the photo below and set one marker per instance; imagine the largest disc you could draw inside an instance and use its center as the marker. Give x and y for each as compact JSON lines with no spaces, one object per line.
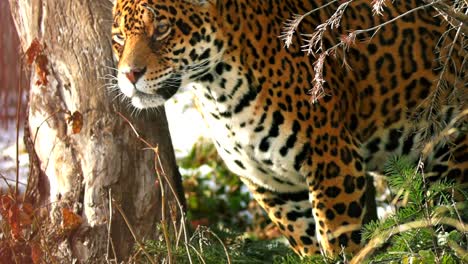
{"x":10,"y":81}
{"x":9,"y":67}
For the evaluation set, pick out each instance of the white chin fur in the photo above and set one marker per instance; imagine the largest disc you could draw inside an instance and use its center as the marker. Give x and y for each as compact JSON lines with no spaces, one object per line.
{"x":139,"y":99}
{"x":126,"y":87}
{"x":142,"y":101}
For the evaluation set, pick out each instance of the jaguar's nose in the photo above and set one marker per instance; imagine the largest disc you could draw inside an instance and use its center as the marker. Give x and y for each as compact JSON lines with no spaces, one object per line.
{"x":133,"y":75}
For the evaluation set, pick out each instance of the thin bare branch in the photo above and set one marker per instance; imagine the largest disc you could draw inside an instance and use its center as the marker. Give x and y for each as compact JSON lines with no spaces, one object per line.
{"x":162,"y":175}
{"x":130,"y":228}
{"x":378,"y":240}
{"x":314,"y":41}
{"x":18,"y":111}
{"x":224,"y":246}
{"x":361,"y":31}
{"x":292,"y":24}
{"x":461,"y":19}
{"x":110,"y":243}
{"x":378,"y":7}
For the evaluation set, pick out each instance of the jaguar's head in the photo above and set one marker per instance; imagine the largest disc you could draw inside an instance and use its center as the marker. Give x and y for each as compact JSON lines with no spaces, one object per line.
{"x":162,"y":44}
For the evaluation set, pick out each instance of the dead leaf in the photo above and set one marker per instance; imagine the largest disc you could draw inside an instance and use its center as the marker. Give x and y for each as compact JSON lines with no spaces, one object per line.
{"x":28,"y":209}
{"x":33,"y":51}
{"x":41,"y":69}
{"x":35,"y":54}
{"x":14,"y":221}
{"x":76,"y":122}
{"x":70,"y":220}
{"x":36,"y":253}
{"x":5,"y":203}
{"x":25,"y":219}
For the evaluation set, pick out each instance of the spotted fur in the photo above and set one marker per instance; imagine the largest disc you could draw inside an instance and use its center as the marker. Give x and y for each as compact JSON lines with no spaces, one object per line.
{"x":305,"y":163}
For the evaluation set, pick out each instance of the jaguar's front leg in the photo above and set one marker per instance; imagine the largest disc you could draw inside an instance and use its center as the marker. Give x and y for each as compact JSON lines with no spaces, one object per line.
{"x":337,"y":186}
{"x":292,"y":213}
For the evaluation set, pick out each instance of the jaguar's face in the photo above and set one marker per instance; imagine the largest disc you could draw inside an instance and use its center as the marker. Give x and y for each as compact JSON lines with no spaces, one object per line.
{"x":158,"y":44}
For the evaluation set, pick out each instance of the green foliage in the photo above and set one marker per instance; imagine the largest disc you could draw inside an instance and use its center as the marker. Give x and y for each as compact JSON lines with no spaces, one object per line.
{"x":404,"y":178}
{"x":206,"y":246}
{"x":215,"y":198}
{"x":427,"y":225}
{"x":210,"y":246}
{"x":214,"y":195}
{"x":294,"y":259}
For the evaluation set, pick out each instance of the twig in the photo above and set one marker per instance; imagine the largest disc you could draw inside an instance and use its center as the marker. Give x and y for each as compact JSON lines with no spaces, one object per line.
{"x":462,"y":253}
{"x":448,"y":12}
{"x":5,"y":179}
{"x":426,"y":209}
{"x":9,"y":239}
{"x":446,"y":132}
{"x":135,"y":131}
{"x":179,"y":233}
{"x":360,"y":31}
{"x":110,"y":243}
{"x":456,"y":208}
{"x":158,"y":167}
{"x":46,"y":239}
{"x":18,"y":109}
{"x":134,"y":256}
{"x":224,"y":246}
{"x":378,"y":240}
{"x":292,"y":24}
{"x":130,"y":228}
{"x":200,"y":256}
{"x":439,"y":86}
{"x":34,"y":144}
{"x":179,"y":204}
{"x":314,"y":43}
{"x":40,"y":125}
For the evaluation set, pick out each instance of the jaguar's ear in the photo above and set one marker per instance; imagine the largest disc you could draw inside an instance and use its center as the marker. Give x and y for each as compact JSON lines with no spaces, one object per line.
{"x":218,"y":3}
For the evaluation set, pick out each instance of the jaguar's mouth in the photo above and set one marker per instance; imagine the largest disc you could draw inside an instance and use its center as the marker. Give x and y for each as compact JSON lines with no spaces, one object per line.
{"x":169,"y":87}
{"x":149,"y":95}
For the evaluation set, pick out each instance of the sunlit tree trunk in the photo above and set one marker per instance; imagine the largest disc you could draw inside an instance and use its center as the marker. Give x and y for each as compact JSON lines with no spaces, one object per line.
{"x":80,"y":170}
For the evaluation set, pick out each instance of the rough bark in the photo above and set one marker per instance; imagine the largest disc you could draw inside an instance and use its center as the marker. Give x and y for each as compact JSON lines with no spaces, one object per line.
{"x":80,"y":171}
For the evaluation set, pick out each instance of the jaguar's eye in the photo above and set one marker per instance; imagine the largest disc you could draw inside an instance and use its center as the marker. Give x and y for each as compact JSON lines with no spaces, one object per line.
{"x":162,"y":29}
{"x":118,"y":38}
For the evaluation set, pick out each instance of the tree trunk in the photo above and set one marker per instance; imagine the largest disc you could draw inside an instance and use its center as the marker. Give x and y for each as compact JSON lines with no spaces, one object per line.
{"x":80,"y":170}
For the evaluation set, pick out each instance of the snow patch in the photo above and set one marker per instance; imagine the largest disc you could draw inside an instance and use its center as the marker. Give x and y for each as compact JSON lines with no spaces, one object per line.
{"x":8,"y":158}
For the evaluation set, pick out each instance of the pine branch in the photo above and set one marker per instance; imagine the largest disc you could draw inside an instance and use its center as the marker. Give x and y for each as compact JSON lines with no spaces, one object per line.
{"x":378,"y":240}
{"x":450,"y":14}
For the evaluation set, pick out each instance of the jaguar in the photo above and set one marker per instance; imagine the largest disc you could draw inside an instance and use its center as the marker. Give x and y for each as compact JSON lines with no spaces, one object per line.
{"x":305,"y":159}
